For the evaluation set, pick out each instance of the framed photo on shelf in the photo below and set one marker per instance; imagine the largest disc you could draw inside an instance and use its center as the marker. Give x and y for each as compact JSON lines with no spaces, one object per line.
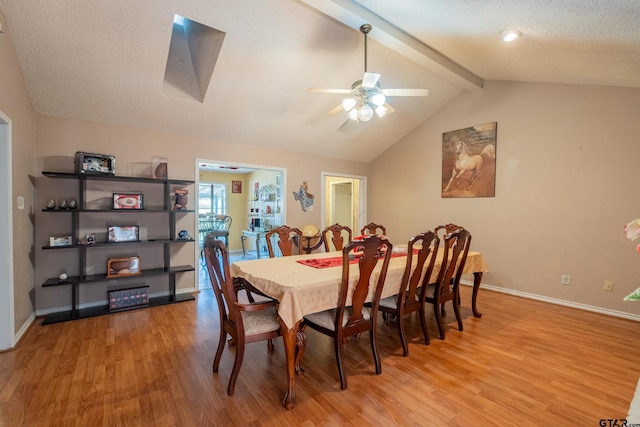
{"x":120,"y":267}
{"x":127,"y":200}
{"x":61,"y":241}
{"x":127,"y":233}
{"x":236,"y":186}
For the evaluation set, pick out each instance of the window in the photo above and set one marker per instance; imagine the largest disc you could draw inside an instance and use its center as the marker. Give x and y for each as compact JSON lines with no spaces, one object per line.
{"x":212,"y":199}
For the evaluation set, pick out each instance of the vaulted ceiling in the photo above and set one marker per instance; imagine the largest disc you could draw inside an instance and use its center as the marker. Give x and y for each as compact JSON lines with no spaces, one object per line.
{"x":105,"y":61}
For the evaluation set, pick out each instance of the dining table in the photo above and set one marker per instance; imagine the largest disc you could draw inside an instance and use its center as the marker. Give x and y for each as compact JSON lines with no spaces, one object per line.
{"x":309,"y":283}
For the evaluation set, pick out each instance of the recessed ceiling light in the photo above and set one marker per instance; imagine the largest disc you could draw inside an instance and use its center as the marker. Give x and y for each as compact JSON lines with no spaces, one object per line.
{"x":510,"y":35}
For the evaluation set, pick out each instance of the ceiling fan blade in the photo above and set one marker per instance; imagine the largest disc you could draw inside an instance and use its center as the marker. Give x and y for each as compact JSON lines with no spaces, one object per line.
{"x":315,"y":90}
{"x":336,"y":110}
{"x":390,"y":109}
{"x":406,"y":92}
{"x":350,"y":127}
{"x":370,"y":79}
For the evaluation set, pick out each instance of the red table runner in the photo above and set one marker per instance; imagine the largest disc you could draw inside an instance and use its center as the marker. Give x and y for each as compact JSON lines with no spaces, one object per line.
{"x":337,"y":261}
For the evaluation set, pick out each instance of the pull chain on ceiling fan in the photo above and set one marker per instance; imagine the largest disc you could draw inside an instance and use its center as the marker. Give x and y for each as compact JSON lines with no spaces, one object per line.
{"x":366,"y":95}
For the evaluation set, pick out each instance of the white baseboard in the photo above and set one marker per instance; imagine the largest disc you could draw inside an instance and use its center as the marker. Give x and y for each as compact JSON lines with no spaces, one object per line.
{"x":586,"y":307}
{"x":23,"y":329}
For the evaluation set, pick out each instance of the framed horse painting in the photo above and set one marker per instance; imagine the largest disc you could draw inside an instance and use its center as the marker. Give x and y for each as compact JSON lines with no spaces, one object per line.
{"x":469,"y":161}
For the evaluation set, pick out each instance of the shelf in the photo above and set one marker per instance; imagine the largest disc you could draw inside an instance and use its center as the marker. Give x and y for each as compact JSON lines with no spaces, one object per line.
{"x":106,"y":177}
{"x":93,"y":278}
{"x":120,"y":210}
{"x":114,"y":244}
{"x":65,"y":316}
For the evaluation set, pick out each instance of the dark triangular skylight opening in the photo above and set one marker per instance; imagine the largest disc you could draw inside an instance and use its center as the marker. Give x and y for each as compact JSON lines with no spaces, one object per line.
{"x":193,"y":53}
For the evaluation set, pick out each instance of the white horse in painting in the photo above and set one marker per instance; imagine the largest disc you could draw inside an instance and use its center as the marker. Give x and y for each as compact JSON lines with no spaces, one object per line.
{"x":469,"y":163}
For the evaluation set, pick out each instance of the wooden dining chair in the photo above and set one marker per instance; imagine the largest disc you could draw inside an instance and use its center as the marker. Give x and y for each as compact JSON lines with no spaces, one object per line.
{"x":372,"y":228}
{"x":454,"y":257}
{"x":245,"y":323}
{"x":409,"y":300}
{"x":287,"y":238}
{"x":336,"y":234}
{"x":441,"y":231}
{"x":345,"y":321}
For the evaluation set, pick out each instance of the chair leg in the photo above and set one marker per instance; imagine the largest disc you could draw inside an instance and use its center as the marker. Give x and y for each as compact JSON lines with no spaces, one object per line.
{"x":423,"y":323}
{"x":216,"y":358}
{"x":236,"y":367}
{"x":438,"y":317}
{"x":337,"y":343}
{"x":374,"y":349}
{"x":270,"y":345}
{"x":403,"y":340}
{"x":456,"y":310}
{"x":301,"y":344}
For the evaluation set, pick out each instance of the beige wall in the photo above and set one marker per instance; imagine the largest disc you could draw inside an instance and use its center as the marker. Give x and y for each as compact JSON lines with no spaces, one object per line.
{"x":15,"y":103}
{"x":566,"y":183}
{"x":58,"y":140}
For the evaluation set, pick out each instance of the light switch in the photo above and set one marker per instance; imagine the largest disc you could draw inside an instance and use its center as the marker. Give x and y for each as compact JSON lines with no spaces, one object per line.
{"x":20,"y":202}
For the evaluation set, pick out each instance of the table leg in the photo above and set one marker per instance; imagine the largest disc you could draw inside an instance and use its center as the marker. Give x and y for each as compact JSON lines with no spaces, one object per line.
{"x":258,"y":246}
{"x":290,"y":336}
{"x":242,"y":242}
{"x":477,"y":278}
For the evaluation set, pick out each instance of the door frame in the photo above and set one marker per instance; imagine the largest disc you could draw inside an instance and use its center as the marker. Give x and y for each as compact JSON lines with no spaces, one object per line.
{"x":7,"y":315}
{"x":362,"y":200}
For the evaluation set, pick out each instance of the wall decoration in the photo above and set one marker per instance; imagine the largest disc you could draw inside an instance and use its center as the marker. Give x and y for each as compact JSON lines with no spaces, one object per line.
{"x":92,"y":163}
{"x":305,"y":198}
{"x":118,"y":267}
{"x":236,"y":186}
{"x":159,"y":168}
{"x":127,"y":201}
{"x":469,"y":162}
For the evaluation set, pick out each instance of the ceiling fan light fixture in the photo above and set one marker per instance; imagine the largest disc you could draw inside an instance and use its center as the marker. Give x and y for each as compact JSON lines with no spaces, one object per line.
{"x":365,"y":113}
{"x":510,"y":35}
{"x":378,"y":99}
{"x":381,"y":111}
{"x":348,"y":103}
{"x":353,"y":114}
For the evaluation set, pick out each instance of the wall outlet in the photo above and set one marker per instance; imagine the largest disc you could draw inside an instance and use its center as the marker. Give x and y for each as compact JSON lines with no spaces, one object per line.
{"x":608,"y":286}
{"x":565,"y":279}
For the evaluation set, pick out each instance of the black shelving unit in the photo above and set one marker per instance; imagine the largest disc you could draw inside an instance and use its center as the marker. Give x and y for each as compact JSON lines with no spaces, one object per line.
{"x":75,"y":282}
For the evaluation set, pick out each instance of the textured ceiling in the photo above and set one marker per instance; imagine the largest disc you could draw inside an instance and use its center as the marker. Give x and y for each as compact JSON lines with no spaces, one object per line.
{"x":105,"y":61}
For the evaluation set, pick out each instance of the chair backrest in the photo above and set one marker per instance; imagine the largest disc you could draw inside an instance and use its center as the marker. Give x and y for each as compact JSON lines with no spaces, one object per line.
{"x":217,"y":261}
{"x":426,"y":255}
{"x":372,"y":228}
{"x":443,"y":230}
{"x":221,"y":222}
{"x":336,"y":233}
{"x":456,"y":248}
{"x":368,"y":250}
{"x":287,"y":237}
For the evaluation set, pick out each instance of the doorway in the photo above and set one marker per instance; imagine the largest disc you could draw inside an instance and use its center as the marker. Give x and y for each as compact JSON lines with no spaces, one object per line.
{"x":7,"y":321}
{"x":243,"y":184}
{"x":344,"y":201}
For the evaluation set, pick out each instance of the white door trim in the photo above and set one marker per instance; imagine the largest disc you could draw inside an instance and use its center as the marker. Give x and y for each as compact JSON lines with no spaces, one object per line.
{"x":7,"y":316}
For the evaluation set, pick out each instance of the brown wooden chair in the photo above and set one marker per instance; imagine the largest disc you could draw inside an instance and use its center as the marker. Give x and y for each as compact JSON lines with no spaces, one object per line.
{"x":441,"y":231}
{"x":286,"y":238}
{"x":336,"y":233}
{"x":245,"y":323}
{"x":456,"y":248}
{"x":343,"y":321}
{"x":409,"y":299}
{"x":372,"y":228}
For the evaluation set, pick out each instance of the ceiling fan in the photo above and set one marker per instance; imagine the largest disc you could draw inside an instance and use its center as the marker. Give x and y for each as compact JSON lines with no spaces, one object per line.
{"x":366,"y":95}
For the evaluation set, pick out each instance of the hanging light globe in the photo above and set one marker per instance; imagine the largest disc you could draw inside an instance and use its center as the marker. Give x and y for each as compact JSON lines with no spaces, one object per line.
{"x":348,"y":103}
{"x":365,"y":113}
{"x":353,"y":114}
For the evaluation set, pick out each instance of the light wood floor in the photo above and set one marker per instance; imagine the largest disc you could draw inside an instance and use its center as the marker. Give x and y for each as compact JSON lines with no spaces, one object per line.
{"x":523,"y":363}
